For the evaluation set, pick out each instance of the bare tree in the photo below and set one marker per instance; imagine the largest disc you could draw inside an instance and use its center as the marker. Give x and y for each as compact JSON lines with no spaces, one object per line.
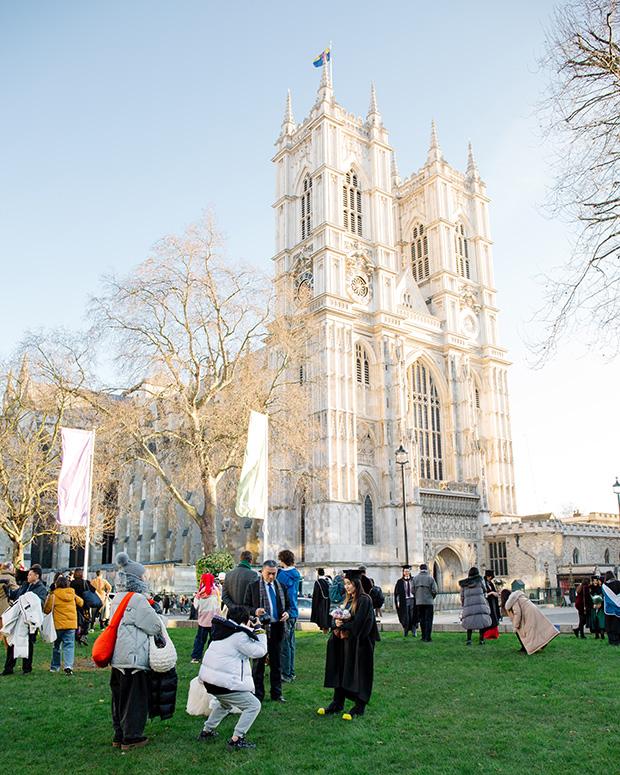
{"x":582,"y":116}
{"x":34,"y":408}
{"x":197,"y":346}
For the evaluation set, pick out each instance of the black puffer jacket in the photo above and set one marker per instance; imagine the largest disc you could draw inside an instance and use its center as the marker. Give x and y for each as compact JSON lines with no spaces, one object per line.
{"x":163,"y":694}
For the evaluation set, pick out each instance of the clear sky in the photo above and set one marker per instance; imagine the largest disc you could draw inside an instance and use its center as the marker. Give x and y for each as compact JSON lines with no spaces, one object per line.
{"x":123,"y":121}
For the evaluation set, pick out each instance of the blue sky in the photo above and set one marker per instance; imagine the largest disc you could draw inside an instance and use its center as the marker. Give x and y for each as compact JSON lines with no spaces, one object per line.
{"x":124,"y":121}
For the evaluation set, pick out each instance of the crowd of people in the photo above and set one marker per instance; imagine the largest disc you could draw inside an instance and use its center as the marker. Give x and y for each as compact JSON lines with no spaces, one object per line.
{"x":246,"y":626}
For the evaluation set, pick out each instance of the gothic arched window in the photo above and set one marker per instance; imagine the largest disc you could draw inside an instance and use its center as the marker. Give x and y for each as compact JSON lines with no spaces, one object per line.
{"x":419,"y":253}
{"x":306,"y":208}
{"x":575,"y":556}
{"x":369,"y":521}
{"x":606,"y":557}
{"x":427,"y":421}
{"x":461,"y":250}
{"x":362,"y":365}
{"x":352,"y":204}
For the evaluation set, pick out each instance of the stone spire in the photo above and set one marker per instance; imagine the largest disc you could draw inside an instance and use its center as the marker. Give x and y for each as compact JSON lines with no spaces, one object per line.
{"x":472,"y":167}
{"x":288,"y":124}
{"x":395,"y":173}
{"x":374,"y":117}
{"x":326,"y":91}
{"x":434,"y":152}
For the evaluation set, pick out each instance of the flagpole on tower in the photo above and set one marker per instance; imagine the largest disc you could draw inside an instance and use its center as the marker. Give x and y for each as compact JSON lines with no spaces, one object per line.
{"x":331,"y":64}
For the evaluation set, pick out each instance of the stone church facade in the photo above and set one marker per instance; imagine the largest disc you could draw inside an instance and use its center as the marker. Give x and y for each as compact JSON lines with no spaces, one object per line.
{"x":397,"y":274}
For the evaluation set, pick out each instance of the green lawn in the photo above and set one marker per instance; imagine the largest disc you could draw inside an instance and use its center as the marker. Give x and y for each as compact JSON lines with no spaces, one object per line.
{"x":436,"y":708}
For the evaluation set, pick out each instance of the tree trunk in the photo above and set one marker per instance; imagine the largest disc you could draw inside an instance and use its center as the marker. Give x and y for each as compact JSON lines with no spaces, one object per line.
{"x":18,"y":553}
{"x":207,"y":521}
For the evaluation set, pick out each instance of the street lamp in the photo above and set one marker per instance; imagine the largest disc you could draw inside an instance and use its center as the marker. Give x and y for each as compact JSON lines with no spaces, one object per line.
{"x":402,"y":460}
{"x":616,"y":489}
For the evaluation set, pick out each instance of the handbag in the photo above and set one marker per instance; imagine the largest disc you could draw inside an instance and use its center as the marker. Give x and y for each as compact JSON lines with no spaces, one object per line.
{"x":91,"y":599}
{"x":103,"y":647}
{"x":162,"y":653}
{"x":48,"y":628}
{"x":198,"y":699}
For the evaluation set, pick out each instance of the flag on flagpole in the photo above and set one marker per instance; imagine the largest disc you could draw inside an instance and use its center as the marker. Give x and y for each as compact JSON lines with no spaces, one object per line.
{"x":75,"y":480}
{"x":252,"y":489}
{"x":323,"y":58}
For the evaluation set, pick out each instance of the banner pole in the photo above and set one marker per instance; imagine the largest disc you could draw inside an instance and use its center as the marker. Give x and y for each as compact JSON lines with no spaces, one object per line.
{"x":90,"y":500}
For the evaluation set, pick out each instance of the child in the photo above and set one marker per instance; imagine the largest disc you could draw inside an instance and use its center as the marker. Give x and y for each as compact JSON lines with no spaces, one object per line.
{"x":227,"y":674}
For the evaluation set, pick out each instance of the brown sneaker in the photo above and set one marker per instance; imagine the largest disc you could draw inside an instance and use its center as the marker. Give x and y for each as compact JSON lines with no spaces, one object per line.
{"x":138,"y":742}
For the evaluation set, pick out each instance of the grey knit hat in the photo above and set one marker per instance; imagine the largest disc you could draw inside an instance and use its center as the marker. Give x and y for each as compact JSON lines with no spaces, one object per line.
{"x":129,"y":575}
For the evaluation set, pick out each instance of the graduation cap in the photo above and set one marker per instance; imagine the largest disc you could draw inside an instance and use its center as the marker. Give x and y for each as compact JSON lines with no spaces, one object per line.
{"x":353,"y":573}
{"x":406,"y":567}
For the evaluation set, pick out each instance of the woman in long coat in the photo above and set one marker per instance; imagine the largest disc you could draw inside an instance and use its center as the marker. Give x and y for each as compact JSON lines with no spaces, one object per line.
{"x":475,"y":614}
{"x":531,"y":627}
{"x":349,"y":661}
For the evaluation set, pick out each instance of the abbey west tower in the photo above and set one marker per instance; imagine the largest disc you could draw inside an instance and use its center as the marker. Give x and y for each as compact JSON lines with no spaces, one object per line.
{"x":399,"y":278}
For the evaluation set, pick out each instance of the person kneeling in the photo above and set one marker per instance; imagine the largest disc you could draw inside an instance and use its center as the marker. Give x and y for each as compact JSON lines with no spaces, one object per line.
{"x":227,"y":675}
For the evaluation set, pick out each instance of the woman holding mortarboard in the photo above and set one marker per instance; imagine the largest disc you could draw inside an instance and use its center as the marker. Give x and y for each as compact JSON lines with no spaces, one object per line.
{"x":349,"y":661}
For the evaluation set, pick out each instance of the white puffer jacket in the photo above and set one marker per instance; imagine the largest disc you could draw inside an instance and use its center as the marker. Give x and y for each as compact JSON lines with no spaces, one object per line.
{"x":226,"y":662}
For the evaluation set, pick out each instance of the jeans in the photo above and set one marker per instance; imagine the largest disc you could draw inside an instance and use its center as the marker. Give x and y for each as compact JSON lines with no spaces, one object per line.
{"x":66,"y":640}
{"x":288,"y":649}
{"x":202,"y":635}
{"x":247,"y":703}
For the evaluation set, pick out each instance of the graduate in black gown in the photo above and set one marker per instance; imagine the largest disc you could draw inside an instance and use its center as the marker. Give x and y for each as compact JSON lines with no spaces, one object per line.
{"x":349,"y":660}
{"x":404,"y":601}
{"x":320,"y":602}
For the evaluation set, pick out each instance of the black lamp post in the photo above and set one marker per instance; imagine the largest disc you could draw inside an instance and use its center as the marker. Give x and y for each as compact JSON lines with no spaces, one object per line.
{"x":402,"y":460}
{"x":616,"y":489}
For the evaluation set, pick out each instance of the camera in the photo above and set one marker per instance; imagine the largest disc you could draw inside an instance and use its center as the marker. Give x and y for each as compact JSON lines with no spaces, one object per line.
{"x":265,"y":619}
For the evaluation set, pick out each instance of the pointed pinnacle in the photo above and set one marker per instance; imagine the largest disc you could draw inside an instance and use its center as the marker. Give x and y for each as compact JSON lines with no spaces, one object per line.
{"x":288,"y":124}
{"x":472,"y":167}
{"x":395,"y":174}
{"x":373,"y":100}
{"x":434,"y":152}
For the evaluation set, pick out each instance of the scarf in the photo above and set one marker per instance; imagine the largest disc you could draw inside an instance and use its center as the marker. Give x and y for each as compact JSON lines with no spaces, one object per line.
{"x":264,"y":596}
{"x":611,"y":602}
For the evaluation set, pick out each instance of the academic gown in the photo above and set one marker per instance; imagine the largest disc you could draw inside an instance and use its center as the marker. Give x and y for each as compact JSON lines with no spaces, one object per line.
{"x":349,"y":664}
{"x":493,"y":602}
{"x":320,"y":604}
{"x":400,"y":602}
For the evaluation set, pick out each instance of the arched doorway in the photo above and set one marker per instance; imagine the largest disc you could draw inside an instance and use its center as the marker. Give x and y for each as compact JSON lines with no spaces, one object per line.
{"x":447,"y":570}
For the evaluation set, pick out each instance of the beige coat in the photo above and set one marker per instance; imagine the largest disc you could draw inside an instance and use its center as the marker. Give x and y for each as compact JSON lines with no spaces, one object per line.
{"x":532,"y":626}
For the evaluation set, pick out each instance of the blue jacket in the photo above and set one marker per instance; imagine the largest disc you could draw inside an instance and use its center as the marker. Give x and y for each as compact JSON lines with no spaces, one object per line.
{"x":290,"y":578}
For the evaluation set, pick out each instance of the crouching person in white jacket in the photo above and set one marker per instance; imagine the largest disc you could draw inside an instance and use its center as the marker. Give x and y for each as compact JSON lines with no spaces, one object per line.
{"x":227,"y":674}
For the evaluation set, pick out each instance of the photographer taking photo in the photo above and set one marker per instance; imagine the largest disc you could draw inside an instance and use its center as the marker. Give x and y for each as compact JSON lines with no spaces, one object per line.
{"x":267,"y":599}
{"x":225,"y":672}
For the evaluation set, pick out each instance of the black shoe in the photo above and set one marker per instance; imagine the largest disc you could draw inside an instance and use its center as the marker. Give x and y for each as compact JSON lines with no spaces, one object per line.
{"x":278,"y":699}
{"x":576,"y":631}
{"x":331,"y":709}
{"x":7,"y":672}
{"x":68,"y":671}
{"x":357,"y":710}
{"x":207,"y":735}
{"x":239,"y":745}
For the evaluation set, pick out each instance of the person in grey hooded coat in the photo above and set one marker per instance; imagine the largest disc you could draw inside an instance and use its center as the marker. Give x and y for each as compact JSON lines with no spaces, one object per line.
{"x":129,"y":680}
{"x":476,"y":614}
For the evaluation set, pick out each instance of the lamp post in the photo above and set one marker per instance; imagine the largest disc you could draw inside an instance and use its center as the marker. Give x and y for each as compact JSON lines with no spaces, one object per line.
{"x":616,"y":489}
{"x":402,"y":460}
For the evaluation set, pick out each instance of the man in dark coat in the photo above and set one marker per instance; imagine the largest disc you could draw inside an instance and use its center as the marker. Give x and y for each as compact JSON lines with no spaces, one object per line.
{"x":349,"y":661}
{"x":321,"y":602}
{"x":265,"y":596}
{"x":237,"y":580}
{"x":404,"y":601}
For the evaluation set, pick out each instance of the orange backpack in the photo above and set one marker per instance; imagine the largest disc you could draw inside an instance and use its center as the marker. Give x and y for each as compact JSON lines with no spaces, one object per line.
{"x":103,"y":647}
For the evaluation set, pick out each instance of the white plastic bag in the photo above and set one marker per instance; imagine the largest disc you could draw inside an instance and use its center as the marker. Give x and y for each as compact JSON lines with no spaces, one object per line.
{"x":198,"y":699}
{"x":48,"y":628}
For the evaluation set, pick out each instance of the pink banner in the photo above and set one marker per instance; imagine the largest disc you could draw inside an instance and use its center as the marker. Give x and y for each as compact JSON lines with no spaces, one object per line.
{"x":74,"y":482}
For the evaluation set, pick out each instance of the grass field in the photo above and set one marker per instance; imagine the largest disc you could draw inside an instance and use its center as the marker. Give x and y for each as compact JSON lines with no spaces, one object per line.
{"x":436,"y":708}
